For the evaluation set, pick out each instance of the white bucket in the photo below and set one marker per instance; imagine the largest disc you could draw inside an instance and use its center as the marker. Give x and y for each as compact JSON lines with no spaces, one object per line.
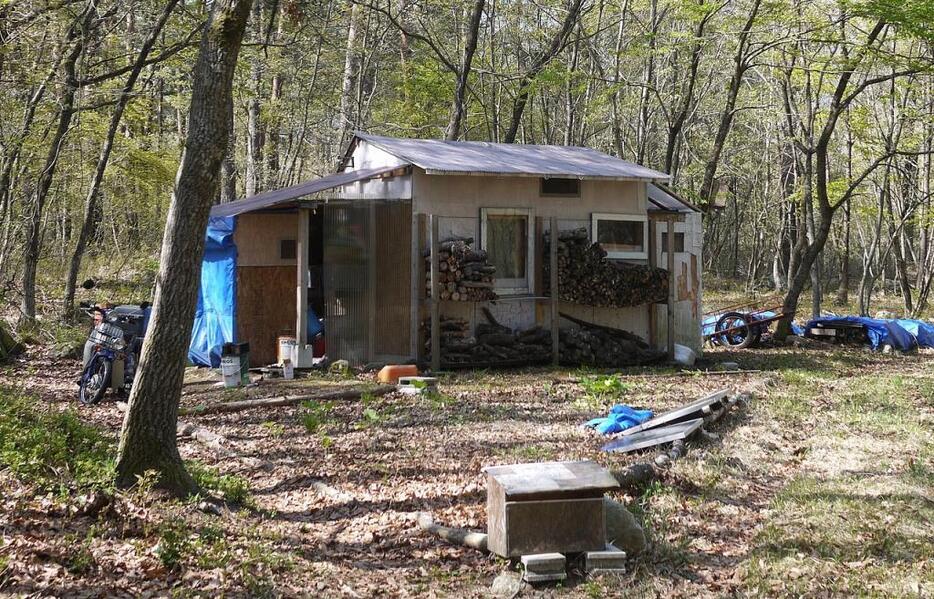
{"x":288,"y":371}
{"x":286,"y":350}
{"x":230,"y":368}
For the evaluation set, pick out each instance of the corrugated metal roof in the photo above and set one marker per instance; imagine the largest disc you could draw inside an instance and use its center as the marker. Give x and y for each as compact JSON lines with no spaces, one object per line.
{"x":662,"y":198}
{"x":279,"y":197}
{"x":439,"y":157}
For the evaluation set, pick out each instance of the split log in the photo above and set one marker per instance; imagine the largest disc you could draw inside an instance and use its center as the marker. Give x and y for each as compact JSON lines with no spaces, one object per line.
{"x":586,"y":276}
{"x":287,"y":400}
{"x":464,"y":274}
{"x":456,"y":536}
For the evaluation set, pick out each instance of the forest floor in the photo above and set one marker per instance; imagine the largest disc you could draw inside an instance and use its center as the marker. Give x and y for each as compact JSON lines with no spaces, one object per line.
{"x":823,"y":484}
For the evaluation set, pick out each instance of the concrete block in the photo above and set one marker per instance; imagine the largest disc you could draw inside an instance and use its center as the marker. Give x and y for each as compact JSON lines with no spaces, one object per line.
{"x":610,"y":559}
{"x":417,"y":385}
{"x":542,"y":567}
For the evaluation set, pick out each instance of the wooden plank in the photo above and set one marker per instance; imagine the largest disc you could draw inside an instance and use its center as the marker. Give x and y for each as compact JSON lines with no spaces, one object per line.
{"x":671,"y":288}
{"x":434,"y":242}
{"x":371,"y":281}
{"x":301,"y":296}
{"x":655,"y":436}
{"x":687,"y":412}
{"x":553,"y":265}
{"x":561,"y":526}
{"x":550,"y":480}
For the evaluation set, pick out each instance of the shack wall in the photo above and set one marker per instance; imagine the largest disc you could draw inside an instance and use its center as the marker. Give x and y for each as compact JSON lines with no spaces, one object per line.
{"x":265,"y":283}
{"x":688,"y":310}
{"x":457,"y":199}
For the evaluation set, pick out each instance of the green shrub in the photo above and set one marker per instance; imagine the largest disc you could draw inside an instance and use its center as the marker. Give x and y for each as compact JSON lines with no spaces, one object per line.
{"x":316,"y":414}
{"x":232,"y":488}
{"x":53,"y":450}
{"x":174,"y":544}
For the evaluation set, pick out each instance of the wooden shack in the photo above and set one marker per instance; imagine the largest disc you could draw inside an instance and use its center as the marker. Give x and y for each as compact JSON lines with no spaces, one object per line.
{"x":354,"y":248}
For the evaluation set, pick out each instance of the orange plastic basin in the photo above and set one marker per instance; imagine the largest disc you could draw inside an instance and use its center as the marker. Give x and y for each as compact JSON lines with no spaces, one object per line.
{"x":391,"y":372}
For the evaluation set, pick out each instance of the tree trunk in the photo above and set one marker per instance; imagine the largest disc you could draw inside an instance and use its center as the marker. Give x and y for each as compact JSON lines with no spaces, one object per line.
{"x":90,"y":202}
{"x":66,"y":101}
{"x":347,"y":86}
{"x":525,"y":83}
{"x":729,"y":108}
{"x":228,"y":190}
{"x":148,"y":437}
{"x":463,"y":74}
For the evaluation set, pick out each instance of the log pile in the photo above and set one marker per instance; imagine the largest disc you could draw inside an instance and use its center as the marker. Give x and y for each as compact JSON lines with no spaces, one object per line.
{"x":586,"y":276}
{"x":496,"y":345}
{"x":464,"y":274}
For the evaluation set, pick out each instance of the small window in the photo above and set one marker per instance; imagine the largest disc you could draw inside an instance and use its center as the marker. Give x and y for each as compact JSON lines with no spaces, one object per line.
{"x":561,"y":187}
{"x":622,"y":236}
{"x":679,"y":242}
{"x":506,"y":236}
{"x":287,"y":249}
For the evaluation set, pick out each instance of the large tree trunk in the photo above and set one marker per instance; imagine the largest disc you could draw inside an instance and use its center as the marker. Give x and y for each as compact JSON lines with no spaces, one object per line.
{"x":147,"y":441}
{"x":77,"y":34}
{"x":460,"y":91}
{"x":525,"y":83}
{"x":351,"y":60}
{"x":90,"y":202}
{"x":740,"y":67}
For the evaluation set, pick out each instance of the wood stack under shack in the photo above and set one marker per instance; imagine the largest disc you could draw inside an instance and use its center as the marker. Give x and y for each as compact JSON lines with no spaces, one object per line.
{"x":465,"y":274}
{"x":586,"y":276}
{"x":494,"y":344}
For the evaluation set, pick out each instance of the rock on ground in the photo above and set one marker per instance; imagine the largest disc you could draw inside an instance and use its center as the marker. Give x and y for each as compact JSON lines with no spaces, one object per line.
{"x":622,"y":529}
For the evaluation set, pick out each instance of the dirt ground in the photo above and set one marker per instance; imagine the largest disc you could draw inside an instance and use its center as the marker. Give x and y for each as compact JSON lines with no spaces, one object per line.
{"x":823,"y":484}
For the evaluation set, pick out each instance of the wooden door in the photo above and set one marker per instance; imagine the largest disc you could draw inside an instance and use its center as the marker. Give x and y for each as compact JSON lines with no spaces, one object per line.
{"x":265,"y":309}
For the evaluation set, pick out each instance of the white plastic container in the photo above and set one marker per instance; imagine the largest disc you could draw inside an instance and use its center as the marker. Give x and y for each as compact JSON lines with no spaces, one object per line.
{"x":286,"y":350}
{"x":288,"y":371}
{"x":230,"y":368}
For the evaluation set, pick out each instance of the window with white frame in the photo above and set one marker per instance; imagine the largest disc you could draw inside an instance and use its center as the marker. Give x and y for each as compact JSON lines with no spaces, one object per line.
{"x":622,"y":236}
{"x":506,"y":235}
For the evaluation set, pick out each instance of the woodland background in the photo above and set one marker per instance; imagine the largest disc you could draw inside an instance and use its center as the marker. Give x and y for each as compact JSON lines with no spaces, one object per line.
{"x":804,"y":120}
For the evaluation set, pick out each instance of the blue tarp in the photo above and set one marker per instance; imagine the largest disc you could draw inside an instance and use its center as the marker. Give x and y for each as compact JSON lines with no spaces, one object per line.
{"x":216,"y":312}
{"x":902,"y":334}
{"x":619,"y":419}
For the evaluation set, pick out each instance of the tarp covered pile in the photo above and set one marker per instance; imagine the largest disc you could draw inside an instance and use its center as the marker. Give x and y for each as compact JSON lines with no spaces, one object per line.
{"x":901,"y":334}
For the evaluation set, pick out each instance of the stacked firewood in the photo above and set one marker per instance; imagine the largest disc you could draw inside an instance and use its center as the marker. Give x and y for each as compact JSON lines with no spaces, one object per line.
{"x":464,"y":273}
{"x":496,"y":345}
{"x":586,"y":276}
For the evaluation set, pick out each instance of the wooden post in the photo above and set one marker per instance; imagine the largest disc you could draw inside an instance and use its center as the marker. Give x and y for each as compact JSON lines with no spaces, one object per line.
{"x":671,"y":287}
{"x":553,"y":265}
{"x":434,"y":243}
{"x":371,"y":280}
{"x":301,"y":296}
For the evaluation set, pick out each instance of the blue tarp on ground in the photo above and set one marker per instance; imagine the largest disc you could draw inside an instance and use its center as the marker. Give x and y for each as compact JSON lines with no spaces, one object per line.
{"x":216,"y":312}
{"x":619,"y":419}
{"x":902,"y":334}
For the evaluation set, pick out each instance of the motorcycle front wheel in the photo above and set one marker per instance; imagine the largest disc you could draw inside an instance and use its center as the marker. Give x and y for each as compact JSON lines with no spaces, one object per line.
{"x":94,"y":385}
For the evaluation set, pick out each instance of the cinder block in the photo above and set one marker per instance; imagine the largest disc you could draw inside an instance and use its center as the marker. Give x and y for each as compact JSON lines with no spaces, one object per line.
{"x":610,"y":559}
{"x":542,"y":567}
{"x":417,"y":385}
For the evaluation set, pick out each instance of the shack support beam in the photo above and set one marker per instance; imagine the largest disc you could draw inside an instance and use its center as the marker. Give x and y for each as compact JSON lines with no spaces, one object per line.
{"x":553,"y":265}
{"x":301,"y":297}
{"x":434,"y":243}
{"x":671,"y":288}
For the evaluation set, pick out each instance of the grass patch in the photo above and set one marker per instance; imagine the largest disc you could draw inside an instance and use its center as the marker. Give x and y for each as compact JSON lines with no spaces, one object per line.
{"x":53,"y":450}
{"x":232,"y":488}
{"x":316,"y":415}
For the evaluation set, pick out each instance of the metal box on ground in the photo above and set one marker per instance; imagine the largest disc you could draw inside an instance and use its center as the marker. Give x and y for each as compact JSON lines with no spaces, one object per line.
{"x":546,"y":507}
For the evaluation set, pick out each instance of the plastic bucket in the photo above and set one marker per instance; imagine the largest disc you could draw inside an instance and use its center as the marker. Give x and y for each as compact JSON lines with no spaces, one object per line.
{"x":230,"y":368}
{"x":286,"y":349}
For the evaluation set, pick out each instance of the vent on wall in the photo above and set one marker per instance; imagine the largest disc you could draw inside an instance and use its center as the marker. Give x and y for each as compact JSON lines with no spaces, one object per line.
{"x":287,"y":249}
{"x":561,"y":187}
